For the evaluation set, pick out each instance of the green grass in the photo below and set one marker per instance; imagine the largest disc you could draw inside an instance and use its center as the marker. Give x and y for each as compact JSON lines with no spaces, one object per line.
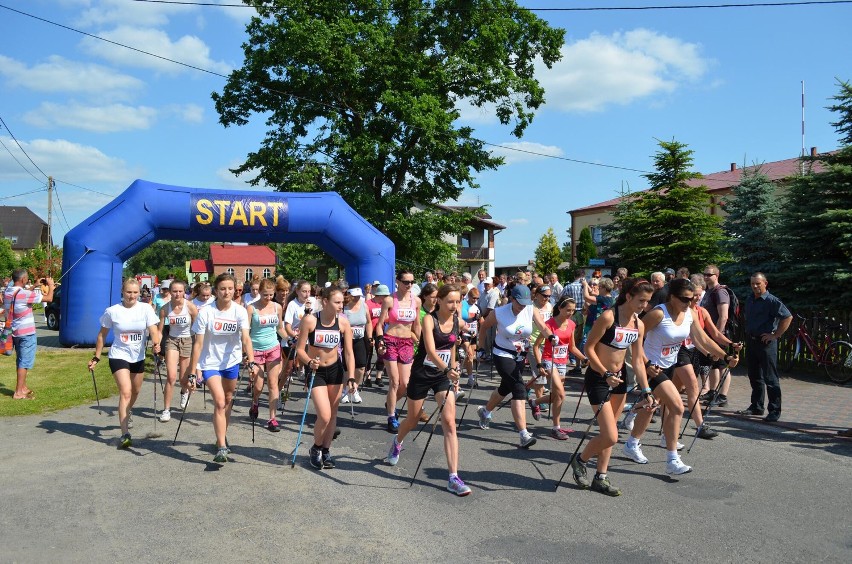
{"x":60,"y":380}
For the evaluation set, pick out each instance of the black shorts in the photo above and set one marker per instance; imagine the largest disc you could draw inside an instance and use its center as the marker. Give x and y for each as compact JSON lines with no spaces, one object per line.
{"x":596,"y":387}
{"x":116,"y":364}
{"x":329,"y":375}
{"x":511,"y":379}
{"x":359,"y":348}
{"x":422,"y":381}
{"x":665,"y":376}
{"x":688,"y":357}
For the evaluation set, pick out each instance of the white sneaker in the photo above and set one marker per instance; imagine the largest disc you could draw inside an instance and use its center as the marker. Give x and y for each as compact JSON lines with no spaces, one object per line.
{"x":635,"y":453}
{"x":345,"y":398}
{"x":629,"y":420}
{"x":471,"y":381}
{"x":166,"y":415}
{"x":460,"y":394}
{"x":184,"y":399}
{"x":677,"y":466}
{"x":663,"y":443}
{"x":356,"y":397}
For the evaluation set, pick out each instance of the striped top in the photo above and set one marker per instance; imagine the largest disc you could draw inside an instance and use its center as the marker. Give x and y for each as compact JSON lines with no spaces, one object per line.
{"x":23,"y":322}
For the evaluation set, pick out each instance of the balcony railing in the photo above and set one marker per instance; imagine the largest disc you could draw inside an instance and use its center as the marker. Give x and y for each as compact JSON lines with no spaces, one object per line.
{"x":468,"y":253}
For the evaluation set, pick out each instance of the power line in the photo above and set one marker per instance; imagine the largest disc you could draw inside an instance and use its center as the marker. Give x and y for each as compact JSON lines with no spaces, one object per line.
{"x":24,"y":194}
{"x":58,"y":201}
{"x":37,"y":179}
{"x":84,"y":188}
{"x":19,"y":146}
{"x":574,"y":9}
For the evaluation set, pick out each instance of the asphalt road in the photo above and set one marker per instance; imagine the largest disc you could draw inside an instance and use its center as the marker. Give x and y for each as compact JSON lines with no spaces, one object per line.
{"x":758,"y":494}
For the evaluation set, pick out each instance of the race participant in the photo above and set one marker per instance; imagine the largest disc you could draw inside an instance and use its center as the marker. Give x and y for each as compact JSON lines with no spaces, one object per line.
{"x":254,"y":292}
{"x":514,"y":324}
{"x":355,"y":311}
{"x":323,"y":333}
{"x":666,"y":326}
{"x":597,"y":299}
{"x":179,"y":315}
{"x":552,"y":363}
{"x":160,"y":300}
{"x":470,"y":315}
{"x":131,"y":321}
{"x":541,"y":301}
{"x":374,"y":310}
{"x":267,"y":326}
{"x":436,"y":369}
{"x":298,"y":306}
{"x":221,"y":337}
{"x":396,"y":341}
{"x":202,"y":295}
{"x":614,"y":331}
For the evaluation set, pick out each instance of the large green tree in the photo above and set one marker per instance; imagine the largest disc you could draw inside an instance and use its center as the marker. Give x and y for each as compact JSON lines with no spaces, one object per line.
{"x":668,"y":224}
{"x":750,"y":227}
{"x":815,"y":234}
{"x":166,"y":257}
{"x":361,"y":97}
{"x":8,"y":259}
{"x":547,"y":255}
{"x":586,"y":248}
{"x":37,"y":263}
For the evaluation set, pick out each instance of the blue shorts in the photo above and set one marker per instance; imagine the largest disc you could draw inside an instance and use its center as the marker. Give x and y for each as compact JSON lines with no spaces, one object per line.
{"x":25,"y":348}
{"x":231,"y":373}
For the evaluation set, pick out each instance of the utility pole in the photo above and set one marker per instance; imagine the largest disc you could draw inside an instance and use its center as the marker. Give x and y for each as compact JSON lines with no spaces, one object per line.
{"x":49,"y":224}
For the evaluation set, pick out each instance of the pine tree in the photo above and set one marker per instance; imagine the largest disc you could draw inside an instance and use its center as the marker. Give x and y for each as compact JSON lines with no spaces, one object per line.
{"x":547,"y":255}
{"x":586,"y":249}
{"x":668,"y":224}
{"x":749,"y":228}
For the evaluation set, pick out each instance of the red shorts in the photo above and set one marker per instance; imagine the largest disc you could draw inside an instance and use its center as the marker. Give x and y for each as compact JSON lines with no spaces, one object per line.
{"x":398,"y":349}
{"x":271,"y":355}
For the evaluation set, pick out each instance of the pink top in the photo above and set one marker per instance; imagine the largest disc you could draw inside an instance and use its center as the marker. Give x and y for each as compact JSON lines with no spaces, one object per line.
{"x":403,"y":315}
{"x":23,"y":322}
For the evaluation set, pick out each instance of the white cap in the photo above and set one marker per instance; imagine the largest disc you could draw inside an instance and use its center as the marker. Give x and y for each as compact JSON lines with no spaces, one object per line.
{"x":355,"y":292}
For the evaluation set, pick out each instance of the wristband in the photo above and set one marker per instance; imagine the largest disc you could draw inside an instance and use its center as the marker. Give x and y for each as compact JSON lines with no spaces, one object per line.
{"x":608,"y":374}
{"x":96,"y":359}
{"x":539,"y":365}
{"x":350,"y":380}
{"x":646,"y":390}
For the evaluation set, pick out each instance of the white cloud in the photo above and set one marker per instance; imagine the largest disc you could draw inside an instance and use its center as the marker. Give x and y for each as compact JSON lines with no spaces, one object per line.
{"x":100,"y":119}
{"x":519,"y":221}
{"x":523,"y":151}
{"x":120,"y":12}
{"x":190,"y":113}
{"x":188,"y":49}
{"x":231,"y":180}
{"x":73,"y":162}
{"x":58,"y":74}
{"x":620,"y":68}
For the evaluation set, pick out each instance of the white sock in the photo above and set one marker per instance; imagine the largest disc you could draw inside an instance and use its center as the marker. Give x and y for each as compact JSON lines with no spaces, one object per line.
{"x":671,"y":455}
{"x":632,"y":441}
{"x":524,"y":433}
{"x":556,"y":427}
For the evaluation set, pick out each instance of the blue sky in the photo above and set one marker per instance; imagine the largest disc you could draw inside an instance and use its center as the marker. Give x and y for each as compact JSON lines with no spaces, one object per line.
{"x":727,"y":82}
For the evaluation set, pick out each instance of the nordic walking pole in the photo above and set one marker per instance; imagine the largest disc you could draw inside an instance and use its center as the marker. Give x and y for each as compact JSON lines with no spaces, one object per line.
{"x":662,"y":419}
{"x":709,"y":407}
{"x":426,"y":423}
{"x":183,"y":411}
{"x":304,"y":414}
{"x":95,"y":383}
{"x":694,"y":405}
{"x":579,"y":399}
{"x":429,"y":440}
{"x":285,"y":394}
{"x":158,"y":361}
{"x":583,"y":439}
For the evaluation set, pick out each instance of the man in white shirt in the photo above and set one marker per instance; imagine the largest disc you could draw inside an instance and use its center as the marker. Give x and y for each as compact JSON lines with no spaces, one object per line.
{"x":553,"y":280}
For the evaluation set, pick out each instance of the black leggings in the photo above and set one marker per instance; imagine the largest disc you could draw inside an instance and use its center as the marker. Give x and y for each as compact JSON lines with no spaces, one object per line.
{"x":511,"y":380}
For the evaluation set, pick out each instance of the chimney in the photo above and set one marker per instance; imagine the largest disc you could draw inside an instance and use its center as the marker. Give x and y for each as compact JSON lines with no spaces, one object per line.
{"x":813,"y":151}
{"x":733,"y":167}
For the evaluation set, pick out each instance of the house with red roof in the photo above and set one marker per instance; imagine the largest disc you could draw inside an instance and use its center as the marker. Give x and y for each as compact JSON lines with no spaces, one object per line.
{"x":718,"y":184}
{"x":243,"y":262}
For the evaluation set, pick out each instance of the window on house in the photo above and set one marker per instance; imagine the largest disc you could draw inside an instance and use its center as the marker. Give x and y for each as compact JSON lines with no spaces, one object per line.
{"x":230,"y":271}
{"x":465,"y":240}
{"x":267,"y":273}
{"x":597,"y":234}
{"x":12,"y":239}
{"x":249,"y":274}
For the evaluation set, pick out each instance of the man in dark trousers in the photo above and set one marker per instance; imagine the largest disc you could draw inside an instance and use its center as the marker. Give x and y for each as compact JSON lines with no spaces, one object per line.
{"x":766,"y":320}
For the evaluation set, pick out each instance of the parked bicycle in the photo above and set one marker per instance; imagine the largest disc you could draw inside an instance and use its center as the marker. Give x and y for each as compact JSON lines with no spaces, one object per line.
{"x":834,"y":355}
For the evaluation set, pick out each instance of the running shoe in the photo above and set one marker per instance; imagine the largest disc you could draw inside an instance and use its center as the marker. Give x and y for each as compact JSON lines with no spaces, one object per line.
{"x":635,"y":453}
{"x":545,"y":407}
{"x":166,"y":415}
{"x":484,"y":420}
{"x":708,"y":397}
{"x":272,"y":425}
{"x":536,"y":410}
{"x":253,"y":411}
{"x":629,"y":421}
{"x":527,"y":440}
{"x":663,"y":443}
{"x":344,"y":399}
{"x":380,"y":383}
{"x":356,"y":397}
{"x":578,"y":469}
{"x":424,"y":417}
{"x":559,"y":434}
{"x":126,"y":441}
{"x":221,"y":455}
{"x":720,"y":400}
{"x":394,"y":452}
{"x":460,"y":394}
{"x":456,"y":486}
{"x":368,"y":383}
{"x":316,"y":457}
{"x":677,"y":467}
{"x":603,"y":486}
{"x":336,"y":434}
{"x":471,"y":382}
{"x":706,"y":432}
{"x":327,"y":461}
{"x":285,"y":395}
{"x":129,"y":421}
{"x":393,"y":424}
{"x":184,"y":399}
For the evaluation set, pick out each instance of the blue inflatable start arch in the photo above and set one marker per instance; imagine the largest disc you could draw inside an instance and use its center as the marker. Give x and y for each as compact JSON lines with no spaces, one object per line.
{"x":94,"y":252}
